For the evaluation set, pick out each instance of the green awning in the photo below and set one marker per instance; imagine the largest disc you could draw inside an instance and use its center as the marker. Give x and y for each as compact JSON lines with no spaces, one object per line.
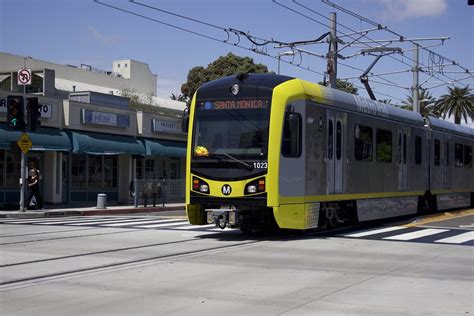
{"x":43,"y":139}
{"x":166,"y":148}
{"x":105,"y":144}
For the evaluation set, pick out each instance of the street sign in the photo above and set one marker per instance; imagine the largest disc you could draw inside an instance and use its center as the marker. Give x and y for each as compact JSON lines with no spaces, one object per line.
{"x":24,"y":77}
{"x":25,"y":143}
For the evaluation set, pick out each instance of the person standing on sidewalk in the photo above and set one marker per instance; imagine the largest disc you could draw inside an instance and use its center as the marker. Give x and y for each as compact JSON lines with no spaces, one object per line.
{"x":34,"y":190}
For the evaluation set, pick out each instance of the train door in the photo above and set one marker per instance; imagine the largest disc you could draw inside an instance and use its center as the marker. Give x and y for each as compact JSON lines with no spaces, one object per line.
{"x":403,"y":147}
{"x":335,"y":152}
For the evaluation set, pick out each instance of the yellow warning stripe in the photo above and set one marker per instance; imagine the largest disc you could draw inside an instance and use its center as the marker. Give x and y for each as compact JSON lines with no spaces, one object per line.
{"x":440,"y":217}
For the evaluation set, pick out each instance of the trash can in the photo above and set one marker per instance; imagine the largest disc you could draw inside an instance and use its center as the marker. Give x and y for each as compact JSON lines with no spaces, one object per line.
{"x":102,"y":201}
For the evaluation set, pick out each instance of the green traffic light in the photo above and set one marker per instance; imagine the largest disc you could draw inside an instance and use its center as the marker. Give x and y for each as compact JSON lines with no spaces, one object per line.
{"x":13,"y":122}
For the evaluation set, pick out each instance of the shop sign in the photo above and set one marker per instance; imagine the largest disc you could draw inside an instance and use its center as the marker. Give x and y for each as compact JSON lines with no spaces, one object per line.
{"x":166,"y":126}
{"x":105,"y":119}
{"x":46,"y":110}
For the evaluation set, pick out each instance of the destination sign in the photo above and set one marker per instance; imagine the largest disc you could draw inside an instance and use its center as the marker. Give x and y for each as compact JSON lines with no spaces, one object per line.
{"x":235,"y":104}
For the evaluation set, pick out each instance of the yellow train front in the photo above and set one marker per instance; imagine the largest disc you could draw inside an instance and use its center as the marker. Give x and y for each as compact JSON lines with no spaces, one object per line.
{"x":273,"y":151}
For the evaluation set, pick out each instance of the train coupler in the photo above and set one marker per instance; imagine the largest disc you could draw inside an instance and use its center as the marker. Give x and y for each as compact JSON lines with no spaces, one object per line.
{"x":223,"y":217}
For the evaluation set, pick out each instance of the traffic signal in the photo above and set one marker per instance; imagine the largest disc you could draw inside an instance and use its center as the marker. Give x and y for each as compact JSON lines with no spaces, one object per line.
{"x":33,"y":113}
{"x":15,"y":113}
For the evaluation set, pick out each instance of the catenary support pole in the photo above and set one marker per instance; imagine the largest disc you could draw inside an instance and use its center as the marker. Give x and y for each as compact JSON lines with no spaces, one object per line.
{"x":332,"y":58}
{"x":416,"y":68}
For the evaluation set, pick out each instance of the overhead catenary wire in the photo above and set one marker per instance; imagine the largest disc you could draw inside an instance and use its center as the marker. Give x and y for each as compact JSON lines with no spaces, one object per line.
{"x":224,"y":41}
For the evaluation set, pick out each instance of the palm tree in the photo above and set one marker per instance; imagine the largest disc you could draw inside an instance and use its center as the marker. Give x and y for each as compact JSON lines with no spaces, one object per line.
{"x":459,"y":102}
{"x":427,"y":104}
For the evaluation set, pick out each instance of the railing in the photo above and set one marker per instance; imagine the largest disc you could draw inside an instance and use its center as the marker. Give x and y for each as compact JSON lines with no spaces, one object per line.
{"x":152,"y":192}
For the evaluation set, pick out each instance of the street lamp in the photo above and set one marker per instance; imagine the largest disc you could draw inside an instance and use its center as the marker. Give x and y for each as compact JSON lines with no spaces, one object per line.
{"x":287,"y":53}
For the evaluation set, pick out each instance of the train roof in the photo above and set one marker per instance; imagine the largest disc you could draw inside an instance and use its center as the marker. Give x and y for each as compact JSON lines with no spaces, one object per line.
{"x":354,"y":103}
{"x":446,"y":126}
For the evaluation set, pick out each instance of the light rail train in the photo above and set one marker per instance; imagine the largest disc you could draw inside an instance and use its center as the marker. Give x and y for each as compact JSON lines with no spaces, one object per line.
{"x":274,"y":151}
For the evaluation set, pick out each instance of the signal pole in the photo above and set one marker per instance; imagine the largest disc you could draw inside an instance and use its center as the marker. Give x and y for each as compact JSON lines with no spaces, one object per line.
{"x":332,"y":56}
{"x":23,"y":155}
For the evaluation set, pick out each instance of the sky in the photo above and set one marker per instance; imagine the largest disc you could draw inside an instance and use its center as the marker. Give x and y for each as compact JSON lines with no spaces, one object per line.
{"x":84,"y":32}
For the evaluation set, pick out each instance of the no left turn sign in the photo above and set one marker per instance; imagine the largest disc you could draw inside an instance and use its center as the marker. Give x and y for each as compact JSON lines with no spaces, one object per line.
{"x":24,"y":77}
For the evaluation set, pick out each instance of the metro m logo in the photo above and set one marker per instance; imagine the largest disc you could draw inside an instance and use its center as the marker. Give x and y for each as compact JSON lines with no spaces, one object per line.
{"x":226,"y":189}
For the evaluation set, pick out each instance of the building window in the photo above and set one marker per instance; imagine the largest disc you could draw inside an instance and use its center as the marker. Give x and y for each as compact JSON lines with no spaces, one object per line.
{"x":437,"y":151}
{"x":13,"y":169}
{"x":150,"y":169}
{"x":383,"y":147}
{"x":363,"y":143}
{"x":458,"y":155}
{"x":126,"y":65}
{"x":118,"y":65}
{"x":78,"y":171}
{"x":467,"y":156}
{"x":2,"y":166}
{"x":110,"y":172}
{"x":418,"y":150}
{"x":94,"y":172}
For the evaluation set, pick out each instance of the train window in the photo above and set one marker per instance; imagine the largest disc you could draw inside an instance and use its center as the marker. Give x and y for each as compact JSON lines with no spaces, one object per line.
{"x":437,"y":154}
{"x":383,"y":146}
{"x":467,"y":156}
{"x":404,"y":148}
{"x":291,"y":145}
{"x":338,"y":140}
{"x":400,"y":148}
{"x":363,"y":143}
{"x":447,"y":153}
{"x":418,"y":150}
{"x":458,"y":155}
{"x":330,"y":139}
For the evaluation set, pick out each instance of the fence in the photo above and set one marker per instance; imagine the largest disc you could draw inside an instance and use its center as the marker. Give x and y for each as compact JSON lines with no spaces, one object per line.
{"x":153,"y":192}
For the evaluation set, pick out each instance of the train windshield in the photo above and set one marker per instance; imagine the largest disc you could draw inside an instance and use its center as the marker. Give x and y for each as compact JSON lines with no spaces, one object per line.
{"x":237,"y":129}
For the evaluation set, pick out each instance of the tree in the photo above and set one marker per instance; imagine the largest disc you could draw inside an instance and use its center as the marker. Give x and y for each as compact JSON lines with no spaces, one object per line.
{"x":427,"y":104}
{"x":459,"y":102}
{"x":223,"y":66}
{"x":344,"y":85}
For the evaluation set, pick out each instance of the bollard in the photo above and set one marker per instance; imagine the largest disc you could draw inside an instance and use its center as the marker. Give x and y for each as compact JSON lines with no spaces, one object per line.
{"x":101,"y":201}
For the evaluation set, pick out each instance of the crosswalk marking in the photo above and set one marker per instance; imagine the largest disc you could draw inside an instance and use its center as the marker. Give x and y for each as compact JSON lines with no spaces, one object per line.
{"x":417,"y":234}
{"x":196,"y":227}
{"x":77,"y":221}
{"x":458,"y":239}
{"x":163,"y":225}
{"x":134,"y":223}
{"x":39,"y":220}
{"x":374,"y":232}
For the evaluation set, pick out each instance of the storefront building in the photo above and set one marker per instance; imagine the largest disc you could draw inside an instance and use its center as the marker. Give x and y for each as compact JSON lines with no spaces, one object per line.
{"x":89,"y":142}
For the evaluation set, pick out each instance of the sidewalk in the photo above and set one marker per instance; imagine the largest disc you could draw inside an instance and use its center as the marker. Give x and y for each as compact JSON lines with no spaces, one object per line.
{"x":62,"y":210}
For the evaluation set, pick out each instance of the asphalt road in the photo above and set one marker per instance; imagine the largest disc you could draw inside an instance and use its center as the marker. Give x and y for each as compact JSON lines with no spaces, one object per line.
{"x":151,"y":265}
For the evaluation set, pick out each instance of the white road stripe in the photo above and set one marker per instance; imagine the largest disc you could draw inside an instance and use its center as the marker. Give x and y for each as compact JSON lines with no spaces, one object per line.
{"x":417,"y":234}
{"x":195,"y":227}
{"x":89,"y":220}
{"x":122,"y":220}
{"x":139,"y":222}
{"x":32,"y":220}
{"x":374,"y":232}
{"x":163,"y":225}
{"x":458,"y":239}
{"x":43,"y":219}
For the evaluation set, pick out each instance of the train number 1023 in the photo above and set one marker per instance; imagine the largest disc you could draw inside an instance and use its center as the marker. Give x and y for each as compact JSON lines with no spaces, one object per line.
{"x":260,"y":165}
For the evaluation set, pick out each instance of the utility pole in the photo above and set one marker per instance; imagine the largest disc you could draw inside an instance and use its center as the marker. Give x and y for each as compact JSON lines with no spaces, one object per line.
{"x":332,"y":56}
{"x":416,"y":69}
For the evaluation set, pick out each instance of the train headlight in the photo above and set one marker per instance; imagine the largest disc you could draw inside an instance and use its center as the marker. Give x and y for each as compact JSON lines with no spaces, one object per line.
{"x":204,"y":188}
{"x":252,"y":189}
{"x":200,"y":186}
{"x":256,"y":186}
